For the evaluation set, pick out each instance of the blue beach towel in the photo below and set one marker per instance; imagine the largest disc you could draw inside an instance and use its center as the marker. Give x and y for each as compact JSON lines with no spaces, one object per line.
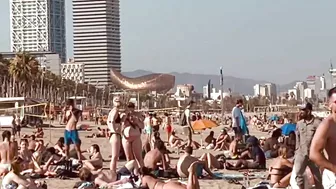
{"x":243,"y":125}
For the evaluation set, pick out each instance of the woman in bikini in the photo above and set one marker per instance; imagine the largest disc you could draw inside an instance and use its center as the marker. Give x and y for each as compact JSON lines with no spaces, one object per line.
{"x":132,"y":126}
{"x":150,"y":182}
{"x":114,"y":124}
{"x":281,"y":169}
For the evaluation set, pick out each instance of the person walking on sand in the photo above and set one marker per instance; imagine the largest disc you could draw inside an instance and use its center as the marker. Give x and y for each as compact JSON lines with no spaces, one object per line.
{"x":305,"y":130}
{"x":185,"y":122}
{"x":71,"y":134}
{"x":325,"y":140}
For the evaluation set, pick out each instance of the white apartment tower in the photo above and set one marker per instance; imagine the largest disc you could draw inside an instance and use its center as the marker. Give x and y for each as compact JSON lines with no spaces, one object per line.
{"x":38,"y":25}
{"x":96,"y":26}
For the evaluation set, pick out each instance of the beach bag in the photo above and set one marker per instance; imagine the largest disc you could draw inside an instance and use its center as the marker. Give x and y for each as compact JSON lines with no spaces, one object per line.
{"x":183,"y":119}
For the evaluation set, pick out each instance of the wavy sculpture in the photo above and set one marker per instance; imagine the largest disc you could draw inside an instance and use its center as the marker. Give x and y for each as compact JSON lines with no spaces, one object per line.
{"x":151,"y":82}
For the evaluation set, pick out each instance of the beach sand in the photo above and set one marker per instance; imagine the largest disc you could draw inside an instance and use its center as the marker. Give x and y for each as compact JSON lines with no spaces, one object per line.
{"x":52,"y":135}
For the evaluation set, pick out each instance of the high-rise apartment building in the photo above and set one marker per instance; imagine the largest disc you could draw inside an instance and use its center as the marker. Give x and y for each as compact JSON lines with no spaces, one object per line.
{"x":38,"y":25}
{"x":97,"y":38}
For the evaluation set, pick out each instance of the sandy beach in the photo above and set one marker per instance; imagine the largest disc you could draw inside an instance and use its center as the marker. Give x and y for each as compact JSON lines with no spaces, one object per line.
{"x":58,"y":131}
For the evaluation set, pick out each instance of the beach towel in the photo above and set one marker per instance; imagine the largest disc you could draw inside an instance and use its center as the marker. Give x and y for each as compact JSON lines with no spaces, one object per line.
{"x":328,"y":179}
{"x":129,"y":185}
{"x":243,"y":125}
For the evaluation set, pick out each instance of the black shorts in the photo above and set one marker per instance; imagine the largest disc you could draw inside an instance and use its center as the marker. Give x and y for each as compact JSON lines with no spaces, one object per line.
{"x":123,"y":171}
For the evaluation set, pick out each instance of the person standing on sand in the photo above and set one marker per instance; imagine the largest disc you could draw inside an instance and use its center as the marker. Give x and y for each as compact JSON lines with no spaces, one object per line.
{"x":8,"y":150}
{"x":114,"y":125}
{"x":325,"y":139}
{"x":185,"y":122}
{"x":71,"y":134}
{"x":236,"y":113}
{"x":305,"y":130}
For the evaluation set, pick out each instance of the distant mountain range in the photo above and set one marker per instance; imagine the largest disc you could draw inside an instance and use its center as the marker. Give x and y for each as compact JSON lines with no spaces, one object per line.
{"x":240,"y":85}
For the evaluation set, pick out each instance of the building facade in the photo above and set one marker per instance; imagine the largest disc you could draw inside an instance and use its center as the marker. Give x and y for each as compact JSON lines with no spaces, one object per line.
{"x":96,"y":25}
{"x":73,"y":71}
{"x":38,"y":25}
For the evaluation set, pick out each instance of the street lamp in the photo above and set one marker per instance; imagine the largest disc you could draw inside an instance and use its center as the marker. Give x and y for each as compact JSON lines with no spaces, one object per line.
{"x":222,"y":90}
{"x":42,"y":78}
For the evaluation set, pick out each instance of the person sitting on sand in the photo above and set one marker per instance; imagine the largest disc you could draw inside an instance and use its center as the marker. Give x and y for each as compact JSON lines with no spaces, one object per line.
{"x":223,"y":141}
{"x":156,"y":137}
{"x":150,"y":182}
{"x":25,"y":154}
{"x":281,"y":169}
{"x":96,"y":160}
{"x":175,"y":141}
{"x":253,"y":151}
{"x":155,"y":157}
{"x":210,"y":140}
{"x":290,"y":142}
{"x":106,"y":178}
{"x":32,"y":143}
{"x":39,"y":132}
{"x":59,"y":147}
{"x":233,"y":152}
{"x":13,"y":178}
{"x":271,"y":144}
{"x":187,"y":159}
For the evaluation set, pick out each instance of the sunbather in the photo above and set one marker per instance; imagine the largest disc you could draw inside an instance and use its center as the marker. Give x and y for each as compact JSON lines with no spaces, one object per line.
{"x":96,"y":160}
{"x":148,"y":181}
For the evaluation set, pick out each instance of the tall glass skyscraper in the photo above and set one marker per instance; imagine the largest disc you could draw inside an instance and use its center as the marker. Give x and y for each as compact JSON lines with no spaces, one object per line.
{"x":38,"y":25}
{"x":97,"y":38}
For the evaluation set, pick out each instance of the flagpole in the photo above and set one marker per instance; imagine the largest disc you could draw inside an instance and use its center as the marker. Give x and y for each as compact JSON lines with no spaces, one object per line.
{"x":331,"y":74}
{"x":222,"y":90}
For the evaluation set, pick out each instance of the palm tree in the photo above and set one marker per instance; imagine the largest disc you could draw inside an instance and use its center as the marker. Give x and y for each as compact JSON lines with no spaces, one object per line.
{"x":22,"y":69}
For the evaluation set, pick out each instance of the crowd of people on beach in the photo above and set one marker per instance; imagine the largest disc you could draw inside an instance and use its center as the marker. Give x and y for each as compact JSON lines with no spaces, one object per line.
{"x":148,"y":164}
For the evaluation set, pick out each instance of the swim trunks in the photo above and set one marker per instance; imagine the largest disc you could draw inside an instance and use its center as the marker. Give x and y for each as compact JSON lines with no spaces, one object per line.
{"x":71,"y":137}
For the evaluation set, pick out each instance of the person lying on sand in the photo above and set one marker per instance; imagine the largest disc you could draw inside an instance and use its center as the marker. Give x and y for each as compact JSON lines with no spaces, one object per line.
{"x":101,"y":133}
{"x":107,"y":178}
{"x":155,"y":157}
{"x":212,"y":161}
{"x":187,"y":159}
{"x":150,"y":182}
{"x":13,"y":179}
{"x":254,"y":152}
{"x":96,"y":159}
{"x":281,"y":169}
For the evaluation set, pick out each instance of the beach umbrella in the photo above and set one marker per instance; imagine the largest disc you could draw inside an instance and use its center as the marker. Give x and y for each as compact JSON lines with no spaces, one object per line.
{"x":288,"y":128}
{"x":203,"y":124}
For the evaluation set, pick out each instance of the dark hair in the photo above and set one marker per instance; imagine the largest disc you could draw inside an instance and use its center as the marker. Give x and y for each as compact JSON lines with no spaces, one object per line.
{"x":70,"y":102}
{"x":165,"y":114}
{"x":144,"y":171}
{"x":23,"y":140}
{"x":156,"y":135}
{"x":239,"y":101}
{"x":61,"y":140}
{"x":159,"y":145}
{"x":85,"y":174}
{"x":276,"y":133}
{"x":212,"y":133}
{"x":331,"y":92}
{"x":130,"y":105}
{"x":96,"y":147}
{"x":190,"y":102}
{"x":6,"y":134}
{"x":188,"y":149}
{"x":32,"y":137}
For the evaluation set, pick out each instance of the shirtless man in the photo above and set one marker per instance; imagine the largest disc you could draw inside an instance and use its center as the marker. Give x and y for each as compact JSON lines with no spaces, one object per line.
{"x":32,"y":143}
{"x":185,"y":162}
{"x":325,"y":139}
{"x":71,"y":134}
{"x":155,"y":156}
{"x":233,"y":149}
{"x":7,"y":152}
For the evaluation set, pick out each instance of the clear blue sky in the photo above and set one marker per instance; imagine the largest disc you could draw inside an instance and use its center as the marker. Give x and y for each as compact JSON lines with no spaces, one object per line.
{"x":279,"y":41}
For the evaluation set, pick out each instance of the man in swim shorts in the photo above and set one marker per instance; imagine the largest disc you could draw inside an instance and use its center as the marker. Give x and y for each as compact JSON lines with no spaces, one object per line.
{"x":71,"y":134}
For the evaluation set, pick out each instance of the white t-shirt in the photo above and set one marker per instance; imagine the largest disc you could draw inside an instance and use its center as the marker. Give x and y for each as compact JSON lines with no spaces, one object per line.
{"x":187,"y":114}
{"x":236,"y":113}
